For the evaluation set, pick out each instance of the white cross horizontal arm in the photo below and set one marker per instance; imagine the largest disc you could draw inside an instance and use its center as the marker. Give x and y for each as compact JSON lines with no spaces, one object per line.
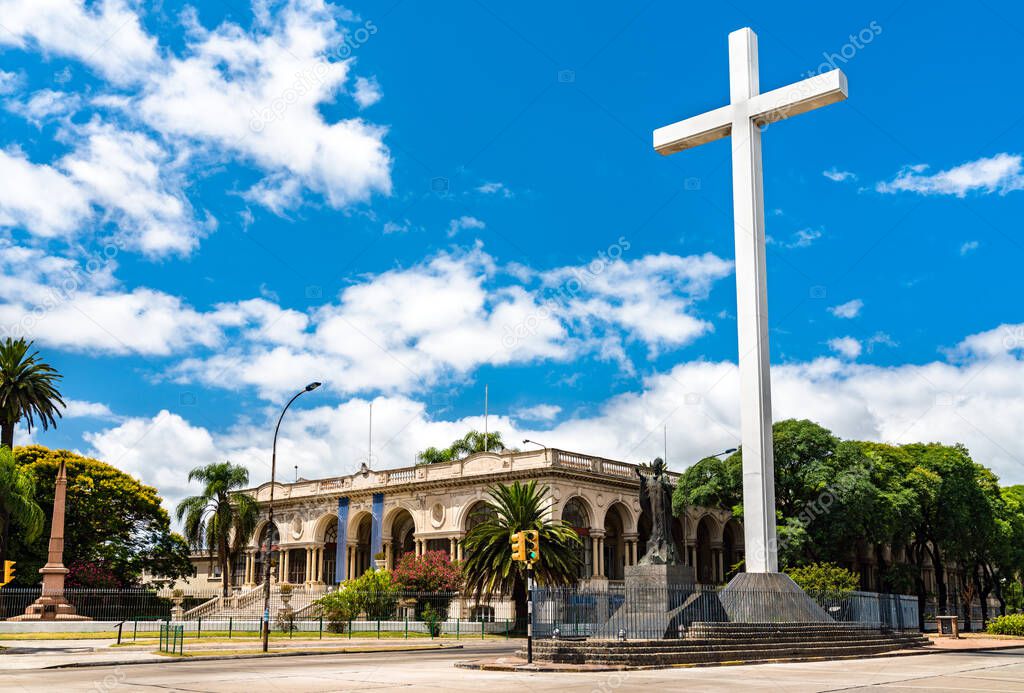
{"x":800,"y":97}
{"x":770,"y":107}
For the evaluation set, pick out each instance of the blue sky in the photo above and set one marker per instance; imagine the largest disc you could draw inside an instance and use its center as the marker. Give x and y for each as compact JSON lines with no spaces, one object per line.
{"x":207,"y":205}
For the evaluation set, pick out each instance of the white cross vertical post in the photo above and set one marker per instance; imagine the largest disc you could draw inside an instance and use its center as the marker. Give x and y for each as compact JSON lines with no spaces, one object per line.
{"x":748,"y":111}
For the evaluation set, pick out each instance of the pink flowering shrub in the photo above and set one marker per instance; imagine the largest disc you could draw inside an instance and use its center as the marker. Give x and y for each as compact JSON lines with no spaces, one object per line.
{"x":431,"y":572}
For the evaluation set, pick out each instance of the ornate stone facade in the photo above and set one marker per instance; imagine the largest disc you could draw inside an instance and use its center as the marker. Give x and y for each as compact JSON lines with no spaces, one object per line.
{"x":431,"y":507}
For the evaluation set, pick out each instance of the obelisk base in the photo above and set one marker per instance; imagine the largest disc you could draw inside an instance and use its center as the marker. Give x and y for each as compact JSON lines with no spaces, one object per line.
{"x":51,"y":605}
{"x":769,"y":598}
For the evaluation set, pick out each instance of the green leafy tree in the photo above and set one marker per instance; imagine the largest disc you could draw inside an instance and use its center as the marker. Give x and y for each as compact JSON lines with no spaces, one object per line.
{"x":111,"y":519}
{"x":219,"y":520}
{"x":471,"y":443}
{"x":28,"y":390}
{"x":18,"y":504}
{"x":489,"y":568}
{"x":825,"y":578}
{"x":710,"y":483}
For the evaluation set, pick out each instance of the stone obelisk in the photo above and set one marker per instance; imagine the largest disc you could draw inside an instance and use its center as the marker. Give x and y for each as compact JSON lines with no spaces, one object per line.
{"x":52,"y":604}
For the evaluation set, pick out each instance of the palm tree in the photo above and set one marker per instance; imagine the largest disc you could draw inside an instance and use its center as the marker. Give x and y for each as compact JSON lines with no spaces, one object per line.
{"x":472,"y":442}
{"x":489,"y":568}
{"x":218,"y":520}
{"x":27,"y":389}
{"x":17,"y":502}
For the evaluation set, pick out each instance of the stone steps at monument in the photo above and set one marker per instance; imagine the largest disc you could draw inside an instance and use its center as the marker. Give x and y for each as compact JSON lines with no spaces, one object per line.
{"x":670,"y":644}
{"x":693,"y":652}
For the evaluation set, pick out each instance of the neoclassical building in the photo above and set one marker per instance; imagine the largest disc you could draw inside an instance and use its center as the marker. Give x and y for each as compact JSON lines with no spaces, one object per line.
{"x":328,"y":530}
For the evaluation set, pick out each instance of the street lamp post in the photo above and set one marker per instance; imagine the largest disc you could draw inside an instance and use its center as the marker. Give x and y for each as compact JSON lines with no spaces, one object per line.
{"x":534,"y":442}
{"x":270,"y":517}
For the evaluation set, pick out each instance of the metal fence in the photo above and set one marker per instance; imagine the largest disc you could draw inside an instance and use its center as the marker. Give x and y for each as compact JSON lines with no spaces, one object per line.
{"x":658,"y":612}
{"x":305,"y":610}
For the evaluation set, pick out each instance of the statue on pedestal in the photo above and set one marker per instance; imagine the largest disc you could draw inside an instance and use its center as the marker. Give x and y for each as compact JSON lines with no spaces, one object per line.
{"x":656,"y":505}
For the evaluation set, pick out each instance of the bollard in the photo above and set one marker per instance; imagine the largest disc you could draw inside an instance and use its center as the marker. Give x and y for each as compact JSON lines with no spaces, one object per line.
{"x":481,"y":627}
{"x":199,"y":628}
{"x":406,"y":625}
{"x":378,"y":629}
{"x":507,"y":636}
{"x":321,"y":627}
{"x":231,"y":623}
{"x":119,"y":626}
{"x":136,"y":631}
{"x":350,"y":629}
{"x":458,"y":621}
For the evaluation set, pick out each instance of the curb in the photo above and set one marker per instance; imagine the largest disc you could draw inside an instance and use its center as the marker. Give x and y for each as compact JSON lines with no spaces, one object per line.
{"x":214,"y":658}
{"x":546,"y":667}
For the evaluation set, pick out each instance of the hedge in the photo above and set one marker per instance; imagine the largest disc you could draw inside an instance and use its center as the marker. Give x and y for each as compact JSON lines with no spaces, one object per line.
{"x":1012,"y":624}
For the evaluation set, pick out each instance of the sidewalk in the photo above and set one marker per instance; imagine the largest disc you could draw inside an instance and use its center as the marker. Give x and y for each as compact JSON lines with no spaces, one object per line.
{"x":50,"y":654}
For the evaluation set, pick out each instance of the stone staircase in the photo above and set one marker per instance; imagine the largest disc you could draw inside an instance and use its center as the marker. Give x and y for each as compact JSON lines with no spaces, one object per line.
{"x":249,"y":604}
{"x":707,"y":643}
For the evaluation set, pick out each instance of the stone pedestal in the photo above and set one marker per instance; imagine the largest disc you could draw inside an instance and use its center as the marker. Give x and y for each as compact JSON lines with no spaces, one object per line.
{"x":651,"y":600}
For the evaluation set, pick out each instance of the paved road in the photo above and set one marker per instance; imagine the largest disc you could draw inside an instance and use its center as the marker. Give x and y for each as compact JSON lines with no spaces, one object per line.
{"x":433,"y":671}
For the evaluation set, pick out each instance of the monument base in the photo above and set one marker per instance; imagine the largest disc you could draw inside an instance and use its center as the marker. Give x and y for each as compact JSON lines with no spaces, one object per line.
{"x":51,"y":606}
{"x":652,"y":602}
{"x":769,"y":598}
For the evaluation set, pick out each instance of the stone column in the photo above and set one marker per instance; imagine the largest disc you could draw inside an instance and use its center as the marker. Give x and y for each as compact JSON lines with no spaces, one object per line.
{"x":451,"y":551}
{"x":458,"y":548}
{"x":388,"y":555}
{"x":719,"y":559}
{"x":593,"y":552}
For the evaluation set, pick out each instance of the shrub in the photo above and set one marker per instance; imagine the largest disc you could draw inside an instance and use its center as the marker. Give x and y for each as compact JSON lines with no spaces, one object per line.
{"x":433,"y":620}
{"x":91,"y":574}
{"x":338,"y":608}
{"x":1012,"y":624}
{"x":431,"y":572}
{"x":377,"y":594}
{"x":825,"y":578}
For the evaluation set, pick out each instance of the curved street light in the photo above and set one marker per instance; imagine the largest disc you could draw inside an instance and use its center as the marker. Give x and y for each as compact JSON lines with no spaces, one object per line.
{"x":270,"y":516}
{"x":728,"y":451}
{"x":534,"y":442}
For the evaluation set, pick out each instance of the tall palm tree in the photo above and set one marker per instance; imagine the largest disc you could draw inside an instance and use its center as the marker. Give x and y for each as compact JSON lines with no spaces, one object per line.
{"x":218,"y":520}
{"x":17,"y":502}
{"x":489,"y":568}
{"x":28,"y":389}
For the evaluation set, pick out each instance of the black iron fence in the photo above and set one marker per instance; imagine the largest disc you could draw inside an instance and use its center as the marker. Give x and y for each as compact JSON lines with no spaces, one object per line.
{"x":320,"y":610}
{"x":658,"y":612}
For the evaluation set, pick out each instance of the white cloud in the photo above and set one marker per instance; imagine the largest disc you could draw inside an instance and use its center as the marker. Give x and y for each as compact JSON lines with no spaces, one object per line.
{"x":838,"y":176}
{"x":81,"y":409}
{"x":1001,"y":173}
{"x":367,"y":92}
{"x":494,"y":188}
{"x":850,"y":309}
{"x":108,"y":35}
{"x":396,"y":227}
{"x":537,"y":412}
{"x":9,"y":81}
{"x":249,"y":92}
{"x":463,"y":223}
{"x":40,"y":198}
{"x":801,"y":238}
{"x":847,"y":346}
{"x":969,"y":247}
{"x":394,"y":332}
{"x":227,"y":93}
{"x":44,"y":104}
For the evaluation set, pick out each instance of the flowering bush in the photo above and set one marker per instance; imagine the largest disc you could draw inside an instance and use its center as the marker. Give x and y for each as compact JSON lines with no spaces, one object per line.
{"x":431,"y":572}
{"x":91,"y":574}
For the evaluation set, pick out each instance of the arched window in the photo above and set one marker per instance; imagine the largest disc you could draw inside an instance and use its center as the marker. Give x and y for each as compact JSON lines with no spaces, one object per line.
{"x":575,"y":514}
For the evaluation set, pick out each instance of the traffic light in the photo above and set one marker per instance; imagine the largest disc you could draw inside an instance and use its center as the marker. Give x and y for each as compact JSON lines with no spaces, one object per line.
{"x":8,"y":572}
{"x":518,"y":541}
{"x":532,"y":545}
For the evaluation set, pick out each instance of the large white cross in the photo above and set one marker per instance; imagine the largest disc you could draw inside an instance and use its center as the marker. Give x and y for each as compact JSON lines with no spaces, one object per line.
{"x":749,"y":111}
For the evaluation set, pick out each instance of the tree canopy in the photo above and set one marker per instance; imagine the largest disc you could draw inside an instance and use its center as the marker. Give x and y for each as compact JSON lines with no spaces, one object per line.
{"x":113,"y":521}
{"x":841,"y":500}
{"x":472,"y":442}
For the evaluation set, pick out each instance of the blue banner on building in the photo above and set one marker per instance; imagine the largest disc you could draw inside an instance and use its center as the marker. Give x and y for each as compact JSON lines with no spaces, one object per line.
{"x":341,"y":552}
{"x":377,"y":525}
